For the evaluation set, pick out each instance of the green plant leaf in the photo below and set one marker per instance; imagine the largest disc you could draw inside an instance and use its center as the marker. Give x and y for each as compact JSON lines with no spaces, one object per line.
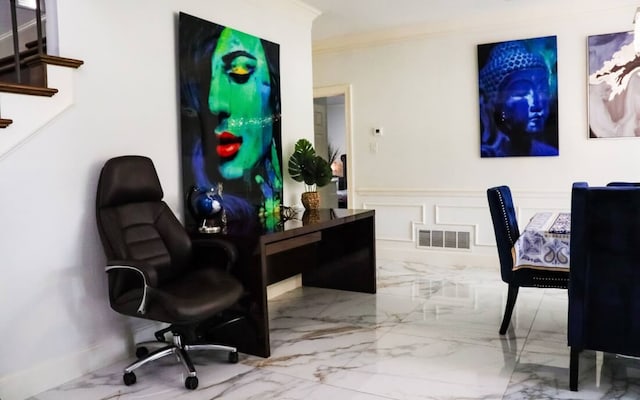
{"x":304,"y":146}
{"x":306,"y":166}
{"x":333,"y":153}
{"x":323,"y":171}
{"x":300,"y":164}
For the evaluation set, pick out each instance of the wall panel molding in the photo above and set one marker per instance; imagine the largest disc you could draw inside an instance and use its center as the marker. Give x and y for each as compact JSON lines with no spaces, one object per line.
{"x":400,"y":213}
{"x":394,"y":226}
{"x":411,"y":192}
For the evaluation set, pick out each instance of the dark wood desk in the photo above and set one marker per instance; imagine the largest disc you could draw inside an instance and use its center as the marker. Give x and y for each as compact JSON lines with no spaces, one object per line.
{"x":333,"y":248}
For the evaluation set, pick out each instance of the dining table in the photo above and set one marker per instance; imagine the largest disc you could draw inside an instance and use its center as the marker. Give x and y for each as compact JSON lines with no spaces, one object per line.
{"x":544,"y":242}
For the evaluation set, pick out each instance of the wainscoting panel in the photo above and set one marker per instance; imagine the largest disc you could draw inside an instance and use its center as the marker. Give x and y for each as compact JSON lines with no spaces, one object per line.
{"x":399,"y":220}
{"x":407,"y":218}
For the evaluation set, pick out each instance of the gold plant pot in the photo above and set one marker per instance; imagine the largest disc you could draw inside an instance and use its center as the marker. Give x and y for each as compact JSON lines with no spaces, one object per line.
{"x":311,"y":200}
{"x":310,"y":216}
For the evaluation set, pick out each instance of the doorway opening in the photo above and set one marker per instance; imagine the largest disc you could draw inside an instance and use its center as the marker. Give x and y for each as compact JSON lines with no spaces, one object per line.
{"x":333,"y":141}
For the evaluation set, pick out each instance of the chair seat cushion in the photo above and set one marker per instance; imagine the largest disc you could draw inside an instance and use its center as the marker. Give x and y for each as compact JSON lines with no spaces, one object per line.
{"x":191,"y":298}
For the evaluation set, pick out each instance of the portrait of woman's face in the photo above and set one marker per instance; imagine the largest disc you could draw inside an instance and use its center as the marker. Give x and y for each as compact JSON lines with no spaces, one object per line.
{"x":230,"y":120}
{"x":525,"y":101}
{"x":239,"y":98}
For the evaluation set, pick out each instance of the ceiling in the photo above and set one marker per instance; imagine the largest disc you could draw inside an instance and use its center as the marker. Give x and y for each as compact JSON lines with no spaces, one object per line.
{"x":353,"y":17}
{"x":349,"y":17}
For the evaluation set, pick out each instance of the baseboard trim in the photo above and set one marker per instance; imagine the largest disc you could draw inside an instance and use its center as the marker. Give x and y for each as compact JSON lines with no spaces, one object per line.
{"x":284,"y":286}
{"x":435,"y":257}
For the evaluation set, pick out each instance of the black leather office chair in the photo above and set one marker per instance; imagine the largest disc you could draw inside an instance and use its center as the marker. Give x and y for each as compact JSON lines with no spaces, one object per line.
{"x":505,"y":227}
{"x":604,"y":289}
{"x":155,"y":271}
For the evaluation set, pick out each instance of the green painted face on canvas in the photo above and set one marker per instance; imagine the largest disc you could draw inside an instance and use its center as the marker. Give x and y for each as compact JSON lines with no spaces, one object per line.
{"x":239,"y":97}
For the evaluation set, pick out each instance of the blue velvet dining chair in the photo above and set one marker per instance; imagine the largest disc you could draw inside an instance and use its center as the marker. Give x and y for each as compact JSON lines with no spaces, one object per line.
{"x":620,"y":183}
{"x":505,"y":227}
{"x":604,"y":285}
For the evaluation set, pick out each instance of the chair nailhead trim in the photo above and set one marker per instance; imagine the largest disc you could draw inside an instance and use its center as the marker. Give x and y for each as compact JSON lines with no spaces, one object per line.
{"x":504,"y":217}
{"x":550,"y":279}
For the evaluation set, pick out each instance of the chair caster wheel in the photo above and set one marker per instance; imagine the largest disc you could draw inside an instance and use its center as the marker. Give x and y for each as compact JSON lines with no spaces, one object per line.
{"x":129,"y":378}
{"x":233,"y":357}
{"x":142,"y":352}
{"x":191,"y":382}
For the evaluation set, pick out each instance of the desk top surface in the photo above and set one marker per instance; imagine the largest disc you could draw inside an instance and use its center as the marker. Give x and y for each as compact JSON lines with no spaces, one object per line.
{"x":300,"y":224}
{"x":312,"y":221}
{"x":323,"y":216}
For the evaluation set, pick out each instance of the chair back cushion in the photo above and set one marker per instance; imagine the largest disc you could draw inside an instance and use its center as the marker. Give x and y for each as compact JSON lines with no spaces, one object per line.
{"x":604,"y":284}
{"x":135,"y":224}
{"x":126,"y":180}
{"x":505,"y":227}
{"x":623,"y":184}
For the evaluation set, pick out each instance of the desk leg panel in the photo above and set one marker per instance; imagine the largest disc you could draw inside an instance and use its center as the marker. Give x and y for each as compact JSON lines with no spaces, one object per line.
{"x":346,"y":258}
{"x":253,"y":335}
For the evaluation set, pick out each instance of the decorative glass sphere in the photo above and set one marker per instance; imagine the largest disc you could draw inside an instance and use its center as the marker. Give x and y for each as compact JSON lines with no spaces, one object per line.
{"x":206,"y":204}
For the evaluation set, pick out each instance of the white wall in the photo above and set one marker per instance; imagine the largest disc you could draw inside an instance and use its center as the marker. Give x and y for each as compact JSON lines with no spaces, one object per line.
{"x":335,"y":126}
{"x":420,"y":83}
{"x":53,"y":300}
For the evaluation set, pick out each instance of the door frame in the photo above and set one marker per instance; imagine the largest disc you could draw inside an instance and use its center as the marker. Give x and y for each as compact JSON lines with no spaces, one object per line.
{"x":345,"y":90}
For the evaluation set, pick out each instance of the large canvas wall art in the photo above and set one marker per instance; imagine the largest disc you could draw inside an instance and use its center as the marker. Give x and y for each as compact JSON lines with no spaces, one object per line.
{"x":518,"y":94}
{"x":614,"y":86}
{"x":230,"y":121}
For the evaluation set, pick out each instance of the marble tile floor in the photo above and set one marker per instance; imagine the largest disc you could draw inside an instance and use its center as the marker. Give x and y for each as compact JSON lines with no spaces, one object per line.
{"x":431,"y":332}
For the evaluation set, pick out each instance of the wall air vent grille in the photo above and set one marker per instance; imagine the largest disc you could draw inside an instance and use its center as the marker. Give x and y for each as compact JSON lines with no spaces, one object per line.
{"x":450,"y":239}
{"x":464,"y":240}
{"x":424,"y":238}
{"x":428,"y":238}
{"x":437,"y":239}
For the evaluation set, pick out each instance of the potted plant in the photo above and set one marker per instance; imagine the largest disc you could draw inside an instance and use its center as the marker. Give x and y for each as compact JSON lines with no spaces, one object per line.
{"x":308,"y":167}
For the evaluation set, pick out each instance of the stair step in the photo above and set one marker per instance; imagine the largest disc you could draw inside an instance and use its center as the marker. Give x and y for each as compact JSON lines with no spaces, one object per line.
{"x":26,"y":89}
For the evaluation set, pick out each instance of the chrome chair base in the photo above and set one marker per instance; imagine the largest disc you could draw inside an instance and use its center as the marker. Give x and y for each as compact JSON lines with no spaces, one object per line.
{"x":177,"y":348}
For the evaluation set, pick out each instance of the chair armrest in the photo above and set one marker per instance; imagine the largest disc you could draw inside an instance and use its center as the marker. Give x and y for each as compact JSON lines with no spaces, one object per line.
{"x":204,"y":247}
{"x":148,"y":273}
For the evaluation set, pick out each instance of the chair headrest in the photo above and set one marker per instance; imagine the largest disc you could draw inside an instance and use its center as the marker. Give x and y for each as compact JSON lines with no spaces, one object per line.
{"x":128,"y":179}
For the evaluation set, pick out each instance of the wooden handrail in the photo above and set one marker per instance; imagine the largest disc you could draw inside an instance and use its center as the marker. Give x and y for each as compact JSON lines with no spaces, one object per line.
{"x":5,"y":122}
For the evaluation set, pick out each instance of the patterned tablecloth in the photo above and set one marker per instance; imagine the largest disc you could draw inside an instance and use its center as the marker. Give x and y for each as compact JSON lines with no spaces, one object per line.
{"x":544,"y":244}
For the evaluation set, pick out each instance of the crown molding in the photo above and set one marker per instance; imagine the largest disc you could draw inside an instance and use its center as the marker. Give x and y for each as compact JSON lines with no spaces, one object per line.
{"x":535,"y":15}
